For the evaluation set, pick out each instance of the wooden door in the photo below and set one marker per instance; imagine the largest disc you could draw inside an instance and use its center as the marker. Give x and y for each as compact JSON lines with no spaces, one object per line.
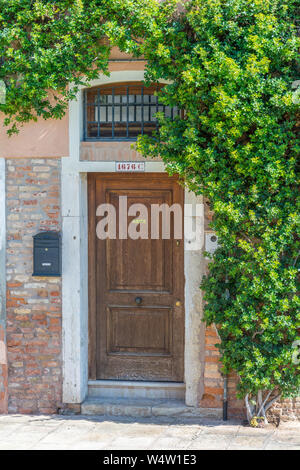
{"x":136,"y":286}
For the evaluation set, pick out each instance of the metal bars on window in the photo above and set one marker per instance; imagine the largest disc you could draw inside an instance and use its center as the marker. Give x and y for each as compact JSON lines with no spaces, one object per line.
{"x":122,"y":112}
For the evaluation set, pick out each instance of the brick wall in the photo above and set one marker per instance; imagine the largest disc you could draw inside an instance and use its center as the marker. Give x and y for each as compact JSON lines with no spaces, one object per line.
{"x":213,"y":381}
{"x":3,"y":372}
{"x":288,"y":409}
{"x":33,"y":304}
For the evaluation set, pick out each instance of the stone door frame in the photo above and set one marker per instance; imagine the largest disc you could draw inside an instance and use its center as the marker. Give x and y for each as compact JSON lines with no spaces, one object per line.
{"x":75,"y":264}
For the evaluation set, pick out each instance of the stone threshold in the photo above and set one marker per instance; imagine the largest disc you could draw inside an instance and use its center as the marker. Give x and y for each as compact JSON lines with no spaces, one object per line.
{"x":136,"y":390}
{"x":145,"y":408}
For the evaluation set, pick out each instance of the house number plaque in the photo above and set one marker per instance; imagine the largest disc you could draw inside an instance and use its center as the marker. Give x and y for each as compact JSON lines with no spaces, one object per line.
{"x":130,"y":167}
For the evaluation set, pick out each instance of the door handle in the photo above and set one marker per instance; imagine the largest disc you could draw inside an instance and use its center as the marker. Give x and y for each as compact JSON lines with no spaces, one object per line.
{"x":138,"y":300}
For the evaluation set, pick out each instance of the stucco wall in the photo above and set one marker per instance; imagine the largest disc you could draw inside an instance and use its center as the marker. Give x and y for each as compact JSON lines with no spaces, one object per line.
{"x":46,"y":139}
{"x":36,"y":139}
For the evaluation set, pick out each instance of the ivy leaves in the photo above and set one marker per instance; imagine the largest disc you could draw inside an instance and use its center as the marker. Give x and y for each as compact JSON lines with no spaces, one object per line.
{"x":230,"y":66}
{"x":48,"y":49}
{"x":238,"y":145}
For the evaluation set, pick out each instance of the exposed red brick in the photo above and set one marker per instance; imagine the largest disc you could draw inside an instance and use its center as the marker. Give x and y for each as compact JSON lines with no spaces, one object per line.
{"x":32,"y":202}
{"x":3,"y":373}
{"x":33,"y":334}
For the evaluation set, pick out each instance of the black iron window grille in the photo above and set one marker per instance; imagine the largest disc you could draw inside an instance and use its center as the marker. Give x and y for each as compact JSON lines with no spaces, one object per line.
{"x":122,"y":111}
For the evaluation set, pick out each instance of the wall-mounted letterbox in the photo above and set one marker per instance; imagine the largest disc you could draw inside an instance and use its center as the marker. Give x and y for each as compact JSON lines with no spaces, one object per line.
{"x":47,"y":254}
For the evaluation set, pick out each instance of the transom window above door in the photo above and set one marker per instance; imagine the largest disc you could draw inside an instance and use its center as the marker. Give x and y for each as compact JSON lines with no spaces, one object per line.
{"x":122,"y":111}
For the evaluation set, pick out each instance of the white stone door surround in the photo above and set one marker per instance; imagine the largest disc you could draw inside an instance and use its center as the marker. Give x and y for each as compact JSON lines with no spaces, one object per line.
{"x":75,"y":266}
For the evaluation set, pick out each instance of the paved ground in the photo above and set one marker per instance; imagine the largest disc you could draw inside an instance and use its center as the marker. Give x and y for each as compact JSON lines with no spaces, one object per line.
{"x":85,"y":432}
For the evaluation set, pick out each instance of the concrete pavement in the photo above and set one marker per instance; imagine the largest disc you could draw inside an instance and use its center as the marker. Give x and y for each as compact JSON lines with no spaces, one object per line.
{"x":25,"y":432}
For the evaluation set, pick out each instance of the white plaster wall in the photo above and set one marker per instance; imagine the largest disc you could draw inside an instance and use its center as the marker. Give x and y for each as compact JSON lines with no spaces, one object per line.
{"x":75,"y":269}
{"x":194,"y":326}
{"x":74,"y":289}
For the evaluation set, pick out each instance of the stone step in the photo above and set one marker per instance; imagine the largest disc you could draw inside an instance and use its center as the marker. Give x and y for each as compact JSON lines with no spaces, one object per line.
{"x":145,"y":408}
{"x":131,"y":389}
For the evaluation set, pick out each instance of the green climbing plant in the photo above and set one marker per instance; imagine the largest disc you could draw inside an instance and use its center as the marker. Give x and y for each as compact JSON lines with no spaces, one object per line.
{"x":232,"y":67}
{"x":49,"y":48}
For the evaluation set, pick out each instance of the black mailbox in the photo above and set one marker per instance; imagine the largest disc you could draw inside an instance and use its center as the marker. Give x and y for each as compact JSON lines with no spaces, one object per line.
{"x":47,"y":254}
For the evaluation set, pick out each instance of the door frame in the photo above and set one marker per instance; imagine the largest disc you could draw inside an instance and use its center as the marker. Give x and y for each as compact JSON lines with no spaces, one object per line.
{"x":75,"y":276}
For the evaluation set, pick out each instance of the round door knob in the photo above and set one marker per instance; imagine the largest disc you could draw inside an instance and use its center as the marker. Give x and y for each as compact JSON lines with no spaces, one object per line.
{"x":138,"y":300}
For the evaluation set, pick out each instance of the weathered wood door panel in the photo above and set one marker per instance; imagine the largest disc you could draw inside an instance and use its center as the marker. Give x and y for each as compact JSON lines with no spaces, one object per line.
{"x":136,"y":286}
